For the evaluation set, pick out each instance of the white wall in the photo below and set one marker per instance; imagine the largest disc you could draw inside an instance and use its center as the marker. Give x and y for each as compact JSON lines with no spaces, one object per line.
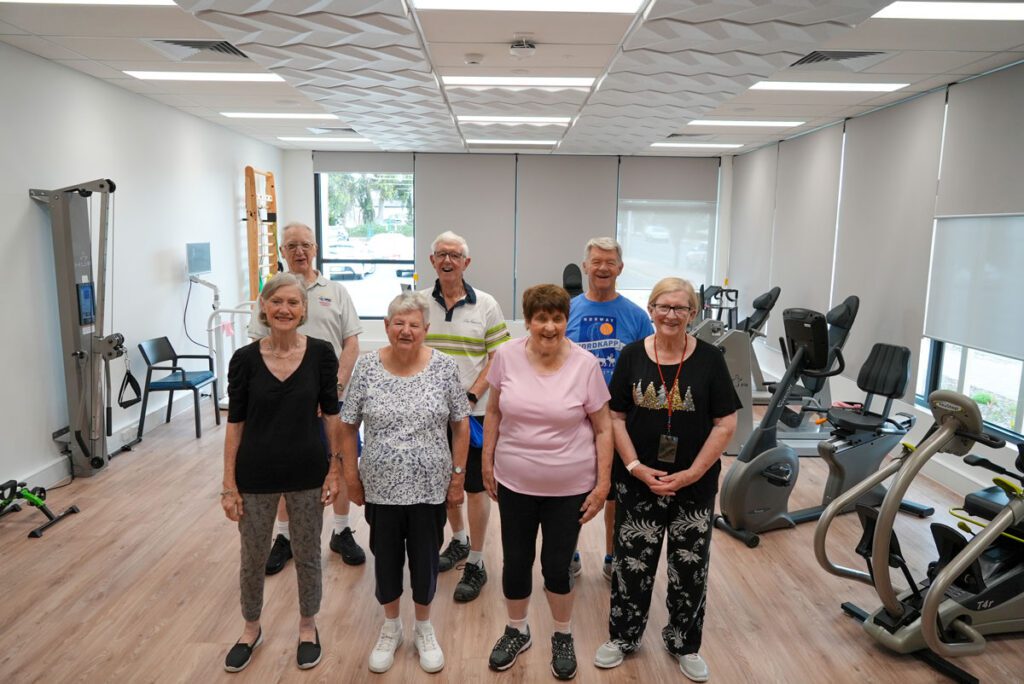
{"x":179,"y":179}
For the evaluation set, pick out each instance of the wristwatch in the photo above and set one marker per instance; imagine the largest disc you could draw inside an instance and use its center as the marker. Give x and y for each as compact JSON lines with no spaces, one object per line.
{"x":472,"y":397}
{"x":458,"y":470}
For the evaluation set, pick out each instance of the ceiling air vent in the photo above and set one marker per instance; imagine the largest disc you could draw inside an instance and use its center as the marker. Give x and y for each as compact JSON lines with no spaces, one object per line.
{"x":196,"y":50}
{"x":841,"y":60}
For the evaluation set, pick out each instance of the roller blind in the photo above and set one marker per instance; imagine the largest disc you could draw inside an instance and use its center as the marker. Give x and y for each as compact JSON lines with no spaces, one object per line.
{"x":669,"y":178}
{"x":362,"y":162}
{"x":890,"y":171}
{"x":753,"y":206}
{"x":984,"y":146}
{"x":474,"y":196}
{"x":976,"y":283}
{"x":562,"y":202}
{"x":807,"y":194}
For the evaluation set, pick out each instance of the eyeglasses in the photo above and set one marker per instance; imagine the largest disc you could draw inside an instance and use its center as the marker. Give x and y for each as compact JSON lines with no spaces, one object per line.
{"x":454,"y":256}
{"x":665,"y":309}
{"x":293,"y":246}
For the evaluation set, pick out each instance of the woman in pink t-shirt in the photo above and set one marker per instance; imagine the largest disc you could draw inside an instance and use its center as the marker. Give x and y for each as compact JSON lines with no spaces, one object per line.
{"x":547,"y":461}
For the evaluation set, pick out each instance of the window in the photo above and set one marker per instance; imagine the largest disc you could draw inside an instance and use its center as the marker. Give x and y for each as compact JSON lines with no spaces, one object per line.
{"x":991,"y":380}
{"x":365,"y":232}
{"x":661,"y":238}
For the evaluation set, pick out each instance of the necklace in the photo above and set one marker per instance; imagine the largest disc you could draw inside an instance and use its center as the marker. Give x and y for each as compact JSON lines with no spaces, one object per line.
{"x":280,"y":355}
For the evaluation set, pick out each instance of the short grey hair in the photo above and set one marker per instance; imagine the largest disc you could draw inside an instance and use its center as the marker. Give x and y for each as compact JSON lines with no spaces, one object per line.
{"x":303,"y":226}
{"x":408,"y":302}
{"x":605,"y":243}
{"x":449,"y":236}
{"x":276,"y":283}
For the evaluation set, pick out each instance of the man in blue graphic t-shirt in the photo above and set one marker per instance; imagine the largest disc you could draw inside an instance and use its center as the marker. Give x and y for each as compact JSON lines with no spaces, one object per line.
{"x":603,"y":322}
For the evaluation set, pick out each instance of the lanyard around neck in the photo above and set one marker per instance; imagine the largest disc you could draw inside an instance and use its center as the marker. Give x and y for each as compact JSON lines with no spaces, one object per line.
{"x":675,"y":381}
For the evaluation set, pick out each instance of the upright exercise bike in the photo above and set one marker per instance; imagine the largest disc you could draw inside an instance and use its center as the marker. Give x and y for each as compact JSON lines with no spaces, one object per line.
{"x":974,"y":588}
{"x":755,"y":493}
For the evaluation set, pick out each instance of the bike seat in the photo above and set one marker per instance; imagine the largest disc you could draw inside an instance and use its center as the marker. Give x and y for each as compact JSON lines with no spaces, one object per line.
{"x":855,"y":421}
{"x":987,"y":503}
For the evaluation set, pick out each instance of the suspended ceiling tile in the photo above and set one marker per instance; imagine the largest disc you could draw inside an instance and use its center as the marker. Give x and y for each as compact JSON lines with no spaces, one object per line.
{"x":517,"y":109}
{"x":105,"y":21}
{"x":296,"y":7}
{"x":695,"y":62}
{"x":40,"y":46}
{"x":118,"y":49}
{"x":11,"y":30}
{"x":93,"y":69}
{"x":568,"y":72}
{"x":341,"y":57}
{"x":501,"y":132}
{"x":725,"y":36}
{"x":319,"y":29}
{"x":548,"y":28}
{"x":900,"y":34}
{"x":926,"y":62}
{"x":993,"y":62}
{"x":849,"y":12}
{"x":496,"y":55}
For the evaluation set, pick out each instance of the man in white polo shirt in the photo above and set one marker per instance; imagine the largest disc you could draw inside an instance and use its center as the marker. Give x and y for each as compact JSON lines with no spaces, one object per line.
{"x":330,"y":316}
{"x":467,"y":324}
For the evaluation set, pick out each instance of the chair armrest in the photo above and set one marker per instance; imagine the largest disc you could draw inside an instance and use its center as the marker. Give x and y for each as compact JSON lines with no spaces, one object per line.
{"x":209,"y":359}
{"x":173,"y":369}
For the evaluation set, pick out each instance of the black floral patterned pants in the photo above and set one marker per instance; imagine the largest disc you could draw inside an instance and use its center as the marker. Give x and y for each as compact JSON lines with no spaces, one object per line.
{"x":642,"y":521}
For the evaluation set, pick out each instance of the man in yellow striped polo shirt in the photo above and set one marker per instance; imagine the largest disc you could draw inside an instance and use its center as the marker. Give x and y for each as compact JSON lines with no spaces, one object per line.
{"x":468,"y":325}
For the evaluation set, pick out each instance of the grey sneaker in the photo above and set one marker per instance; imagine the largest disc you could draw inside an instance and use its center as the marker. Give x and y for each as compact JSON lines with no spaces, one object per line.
{"x":507,"y":649}
{"x":474,"y":577}
{"x":576,"y":566}
{"x":563,"y":656}
{"x":453,"y":553}
{"x":608,"y":655}
{"x":694,"y":667}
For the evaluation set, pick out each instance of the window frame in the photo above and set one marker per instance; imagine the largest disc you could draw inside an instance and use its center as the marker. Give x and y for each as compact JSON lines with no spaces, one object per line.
{"x":322,"y":262}
{"x":933,"y":377}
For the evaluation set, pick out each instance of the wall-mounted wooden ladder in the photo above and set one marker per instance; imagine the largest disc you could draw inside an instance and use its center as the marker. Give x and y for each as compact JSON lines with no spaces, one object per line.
{"x":261,"y":226}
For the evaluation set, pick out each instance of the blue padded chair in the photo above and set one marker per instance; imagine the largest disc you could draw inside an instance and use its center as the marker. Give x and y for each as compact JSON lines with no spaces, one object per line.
{"x":158,"y":351}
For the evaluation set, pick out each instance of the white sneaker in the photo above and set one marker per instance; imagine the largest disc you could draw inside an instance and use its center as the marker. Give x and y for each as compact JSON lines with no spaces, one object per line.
{"x":431,"y":656}
{"x":608,"y":655}
{"x":694,"y":667}
{"x":382,"y":657}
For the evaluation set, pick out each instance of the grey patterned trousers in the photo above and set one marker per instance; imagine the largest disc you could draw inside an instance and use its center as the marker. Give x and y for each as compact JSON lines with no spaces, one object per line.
{"x":306,"y":516}
{"x":643,"y":520}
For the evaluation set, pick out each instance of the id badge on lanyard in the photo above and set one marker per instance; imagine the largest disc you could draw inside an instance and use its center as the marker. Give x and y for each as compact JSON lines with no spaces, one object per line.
{"x":667,"y":445}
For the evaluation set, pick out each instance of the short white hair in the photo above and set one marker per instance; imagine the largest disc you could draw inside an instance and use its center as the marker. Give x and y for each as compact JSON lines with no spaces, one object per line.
{"x":300,"y":226}
{"x":407,"y":302}
{"x":606,"y":243}
{"x":449,"y":236}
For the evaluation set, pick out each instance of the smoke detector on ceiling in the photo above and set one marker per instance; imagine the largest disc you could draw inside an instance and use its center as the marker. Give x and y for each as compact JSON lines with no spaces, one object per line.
{"x":473,"y":58}
{"x":522,"y":48}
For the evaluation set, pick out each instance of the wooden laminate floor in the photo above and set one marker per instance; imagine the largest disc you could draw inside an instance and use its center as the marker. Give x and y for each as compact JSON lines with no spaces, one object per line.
{"x":141,"y":586}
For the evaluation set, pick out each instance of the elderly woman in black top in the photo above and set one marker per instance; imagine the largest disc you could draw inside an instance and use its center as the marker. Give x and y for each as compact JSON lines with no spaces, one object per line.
{"x":673,"y":412}
{"x":272,"y":448}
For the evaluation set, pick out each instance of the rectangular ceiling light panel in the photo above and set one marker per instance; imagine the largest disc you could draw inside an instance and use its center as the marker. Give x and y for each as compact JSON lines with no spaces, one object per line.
{"x":249,"y":77}
{"x":819,"y":86}
{"x":511,"y":142}
{"x":958,"y":11}
{"x":753,"y":124}
{"x":699,"y":146}
{"x":143,"y":3}
{"x":516,"y":120}
{"x":277,"y":115}
{"x":517,"y":81}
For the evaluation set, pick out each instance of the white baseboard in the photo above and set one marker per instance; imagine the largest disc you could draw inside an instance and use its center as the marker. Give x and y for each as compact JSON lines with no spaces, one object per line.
{"x":58,"y":468}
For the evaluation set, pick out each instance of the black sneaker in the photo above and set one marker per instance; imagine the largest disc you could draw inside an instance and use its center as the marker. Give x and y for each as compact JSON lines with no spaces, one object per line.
{"x":563,"y":656}
{"x":509,"y":646}
{"x":279,"y":555}
{"x":453,"y":553}
{"x":240,"y":654}
{"x":474,"y":577}
{"x":308,"y":653}
{"x":345,"y":544}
